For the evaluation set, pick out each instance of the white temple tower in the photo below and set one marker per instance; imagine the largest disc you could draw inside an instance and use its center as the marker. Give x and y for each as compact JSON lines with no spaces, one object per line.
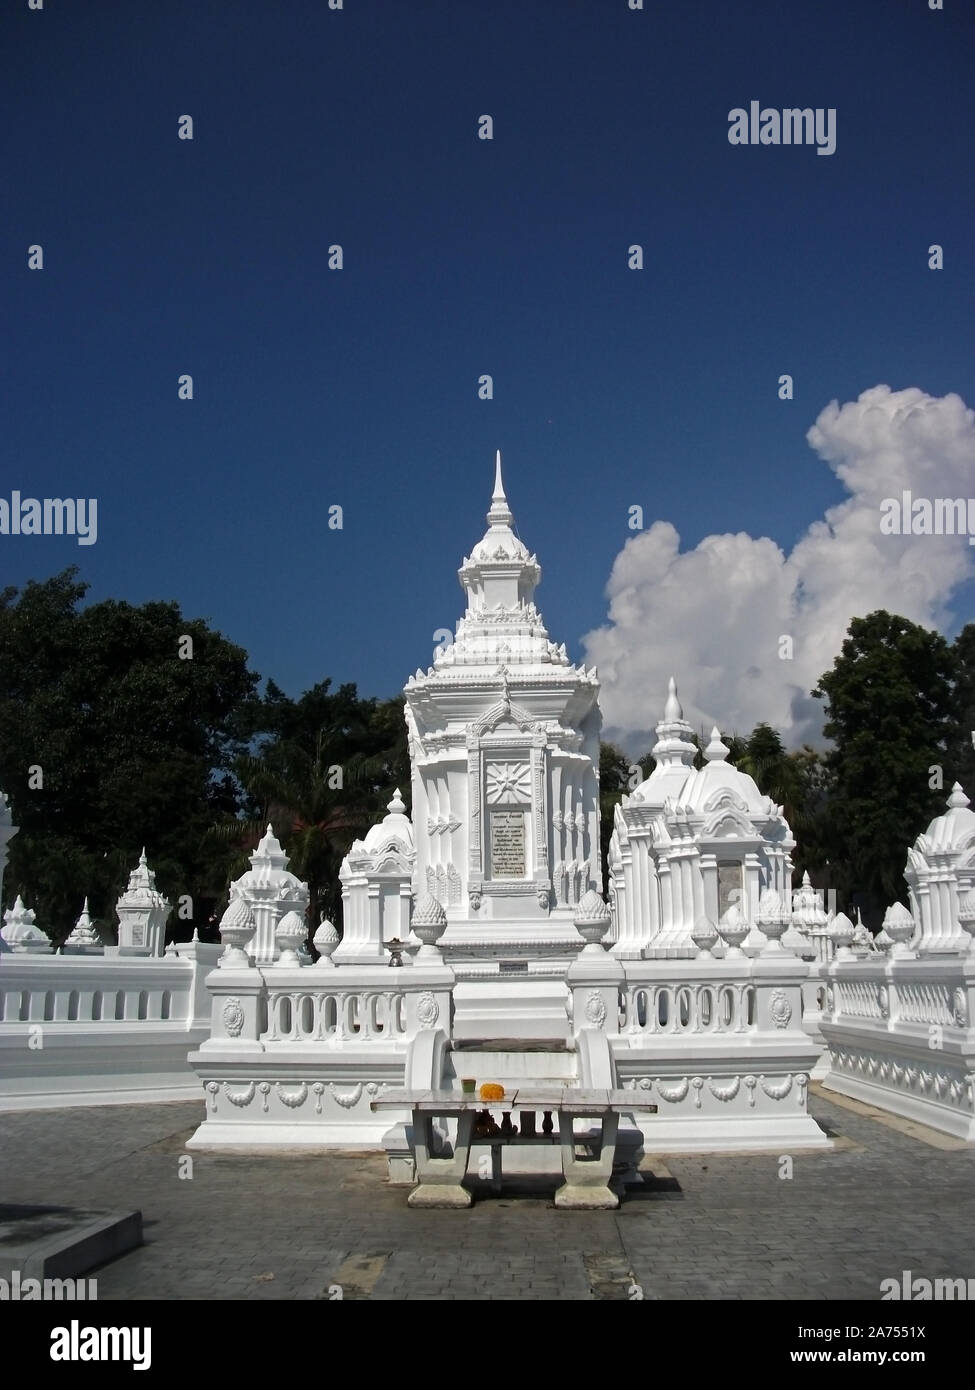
{"x":504,"y":748}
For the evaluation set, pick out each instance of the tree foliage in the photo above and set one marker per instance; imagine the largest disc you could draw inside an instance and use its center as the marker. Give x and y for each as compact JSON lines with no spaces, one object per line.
{"x":322,"y":771}
{"x":108,"y":740}
{"x":889,"y":706}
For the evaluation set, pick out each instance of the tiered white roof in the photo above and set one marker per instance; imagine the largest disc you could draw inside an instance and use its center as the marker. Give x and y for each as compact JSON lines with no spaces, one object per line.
{"x":393,"y":832}
{"x":953,"y":830}
{"x":676,"y":780}
{"x":502,"y":627}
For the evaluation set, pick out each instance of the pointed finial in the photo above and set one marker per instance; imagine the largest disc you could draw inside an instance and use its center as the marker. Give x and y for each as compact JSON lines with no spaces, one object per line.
{"x":957,"y":797}
{"x":142,"y":856}
{"x":672,"y":709}
{"x":397,"y":806}
{"x":716,"y":751}
{"x":500,"y":513}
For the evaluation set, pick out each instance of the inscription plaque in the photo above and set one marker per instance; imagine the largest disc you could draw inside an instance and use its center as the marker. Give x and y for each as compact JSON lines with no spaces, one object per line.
{"x":507,"y":844}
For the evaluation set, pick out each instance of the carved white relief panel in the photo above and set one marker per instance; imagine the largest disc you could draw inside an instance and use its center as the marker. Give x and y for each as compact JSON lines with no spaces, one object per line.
{"x":508,"y":784}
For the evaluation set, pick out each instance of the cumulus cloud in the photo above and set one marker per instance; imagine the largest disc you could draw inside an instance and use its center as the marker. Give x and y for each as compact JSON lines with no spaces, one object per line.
{"x":714,"y":615}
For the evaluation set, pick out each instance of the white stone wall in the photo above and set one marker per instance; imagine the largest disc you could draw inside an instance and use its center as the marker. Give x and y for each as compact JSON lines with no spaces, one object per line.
{"x":899,"y":1035}
{"x":97,"y":1030}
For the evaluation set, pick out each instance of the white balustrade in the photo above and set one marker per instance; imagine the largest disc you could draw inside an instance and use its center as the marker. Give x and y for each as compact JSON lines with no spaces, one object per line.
{"x":711,"y":1007}
{"x":322,"y":1015}
{"x":924,"y":1002}
{"x":860,"y":999}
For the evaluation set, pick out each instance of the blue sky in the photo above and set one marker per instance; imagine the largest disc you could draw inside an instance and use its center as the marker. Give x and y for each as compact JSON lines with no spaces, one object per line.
{"x":359,"y":387}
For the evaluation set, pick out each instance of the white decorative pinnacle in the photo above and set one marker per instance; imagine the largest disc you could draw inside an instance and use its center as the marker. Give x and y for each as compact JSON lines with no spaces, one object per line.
{"x":396,"y":807}
{"x":325,"y":940}
{"x":672,"y":709}
{"x":500,"y":513}
{"x":957,"y":797}
{"x":592,"y":918}
{"x":716,"y":751}
{"x":269,"y":852}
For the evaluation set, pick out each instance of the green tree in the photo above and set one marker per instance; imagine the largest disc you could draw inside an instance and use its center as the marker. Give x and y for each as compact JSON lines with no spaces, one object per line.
{"x":113,"y":736}
{"x":322,"y":771}
{"x":961,"y":751}
{"x":889,"y":709}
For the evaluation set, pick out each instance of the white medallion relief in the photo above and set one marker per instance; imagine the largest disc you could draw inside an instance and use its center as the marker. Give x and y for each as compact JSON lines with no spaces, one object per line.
{"x":427,"y":1009}
{"x":780,"y":1010}
{"x":595,"y":1008}
{"x":233,"y":1017}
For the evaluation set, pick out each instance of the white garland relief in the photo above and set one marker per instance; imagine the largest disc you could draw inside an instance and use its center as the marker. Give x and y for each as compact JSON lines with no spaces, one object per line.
{"x":727,"y":1092}
{"x":292,"y":1099}
{"x":241,"y":1098}
{"x":673,"y":1094}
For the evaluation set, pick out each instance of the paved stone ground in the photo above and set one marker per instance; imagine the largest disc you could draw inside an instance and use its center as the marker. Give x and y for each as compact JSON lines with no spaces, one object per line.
{"x":703,"y":1226}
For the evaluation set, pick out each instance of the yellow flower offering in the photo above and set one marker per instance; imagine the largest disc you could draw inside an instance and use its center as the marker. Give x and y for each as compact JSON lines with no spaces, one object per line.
{"x":492,"y":1091}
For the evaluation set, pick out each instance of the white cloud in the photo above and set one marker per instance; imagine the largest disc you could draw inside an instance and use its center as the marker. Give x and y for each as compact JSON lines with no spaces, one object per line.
{"x":714,"y":615}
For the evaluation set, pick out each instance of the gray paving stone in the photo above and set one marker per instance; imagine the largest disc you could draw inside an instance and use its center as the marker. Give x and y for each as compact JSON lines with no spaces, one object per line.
{"x":720,"y":1228}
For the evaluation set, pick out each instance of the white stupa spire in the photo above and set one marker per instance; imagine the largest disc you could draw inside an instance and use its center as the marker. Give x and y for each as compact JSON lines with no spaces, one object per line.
{"x":674,"y":746}
{"x":672,"y":709}
{"x":500,"y":513}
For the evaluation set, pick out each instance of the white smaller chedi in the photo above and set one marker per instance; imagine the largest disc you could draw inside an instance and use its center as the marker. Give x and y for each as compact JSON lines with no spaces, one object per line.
{"x":83,"y":938}
{"x":142,"y":912}
{"x":376,"y":877}
{"x":270,"y":892}
{"x":940,"y":871}
{"x":19,"y":932}
{"x":810,"y":921}
{"x":690,"y":842}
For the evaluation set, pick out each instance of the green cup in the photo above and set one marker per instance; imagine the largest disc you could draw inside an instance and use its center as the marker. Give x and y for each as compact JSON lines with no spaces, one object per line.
{"x":468,"y":1085}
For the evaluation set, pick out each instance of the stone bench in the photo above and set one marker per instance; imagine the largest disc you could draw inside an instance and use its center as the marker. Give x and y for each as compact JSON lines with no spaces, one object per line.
{"x":585,"y":1179}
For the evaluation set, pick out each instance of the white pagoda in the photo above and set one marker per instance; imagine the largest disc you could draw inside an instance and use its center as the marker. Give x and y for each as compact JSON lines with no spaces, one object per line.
{"x":504,"y":746}
{"x":693,"y":845}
